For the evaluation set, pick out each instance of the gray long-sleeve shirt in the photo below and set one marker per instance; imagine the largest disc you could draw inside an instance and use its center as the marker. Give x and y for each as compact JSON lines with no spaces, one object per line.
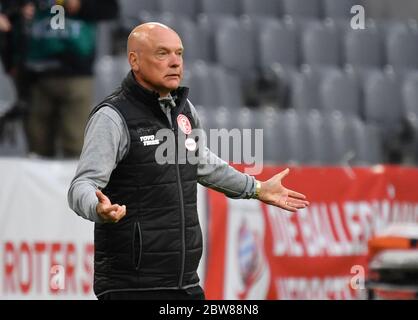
{"x":106,"y":142}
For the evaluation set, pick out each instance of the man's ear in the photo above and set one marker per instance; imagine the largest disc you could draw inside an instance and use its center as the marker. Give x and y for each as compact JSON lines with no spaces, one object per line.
{"x":133,"y":60}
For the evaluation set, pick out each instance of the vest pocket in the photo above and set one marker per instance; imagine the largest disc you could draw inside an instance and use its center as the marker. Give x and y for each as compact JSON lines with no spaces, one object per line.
{"x":136,"y":245}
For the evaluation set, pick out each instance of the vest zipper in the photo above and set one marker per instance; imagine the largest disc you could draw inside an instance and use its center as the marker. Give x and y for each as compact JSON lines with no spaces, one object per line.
{"x":183,"y":240}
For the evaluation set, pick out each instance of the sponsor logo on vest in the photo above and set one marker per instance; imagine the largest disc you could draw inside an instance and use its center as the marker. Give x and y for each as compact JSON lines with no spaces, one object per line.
{"x":184,"y":124}
{"x":149,"y":140}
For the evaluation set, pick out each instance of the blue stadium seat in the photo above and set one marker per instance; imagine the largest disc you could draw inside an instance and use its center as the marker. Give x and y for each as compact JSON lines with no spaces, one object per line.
{"x":341,"y":91}
{"x":187,"y":8}
{"x":271,"y":135}
{"x":278,"y":45}
{"x":335,"y":148}
{"x":321,"y":45}
{"x":384,"y":108}
{"x":293,"y":145}
{"x":236,"y":50}
{"x":402,"y":48}
{"x":364,"y":142}
{"x":109,"y":72}
{"x":221,"y":7}
{"x":8,"y":94}
{"x":314,"y":138}
{"x":208,"y":25}
{"x":212,"y":85}
{"x":104,"y":32}
{"x":410,"y":93}
{"x":196,"y":45}
{"x":302,"y":8}
{"x":339,"y":8}
{"x":13,"y":141}
{"x":129,"y":11}
{"x":263,"y":8}
{"x":304,"y":90}
{"x":235,"y":46}
{"x":383,"y":102}
{"x":410,"y":99}
{"x":364,"y":48}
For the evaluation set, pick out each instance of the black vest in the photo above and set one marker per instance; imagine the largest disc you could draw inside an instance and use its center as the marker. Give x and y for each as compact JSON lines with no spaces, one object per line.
{"x":158,"y":244}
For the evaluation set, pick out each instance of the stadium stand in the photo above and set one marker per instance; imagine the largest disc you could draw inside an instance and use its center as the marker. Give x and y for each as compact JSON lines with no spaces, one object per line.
{"x":293,"y":67}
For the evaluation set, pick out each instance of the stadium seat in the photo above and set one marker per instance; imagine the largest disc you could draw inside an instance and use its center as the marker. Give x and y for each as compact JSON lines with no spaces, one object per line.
{"x":410,"y":100}
{"x":364,"y":142}
{"x":364,"y":48}
{"x":402,"y":48}
{"x":410,"y":93}
{"x":206,"y":116}
{"x":338,"y":9}
{"x":278,"y":45}
{"x":229,"y":88}
{"x":384,"y":108}
{"x":208,"y":25}
{"x":212,"y":85}
{"x":304,"y":91}
{"x":236,"y":50}
{"x":383,"y":102}
{"x":271,"y":135}
{"x":221,"y":7}
{"x":263,"y":8}
{"x":321,"y":45}
{"x":196,"y":46}
{"x":104,"y":38}
{"x":129,"y":11}
{"x":109,"y":72}
{"x":200,"y":82}
{"x":334,"y":139}
{"x":302,"y":8}
{"x":179,"y":7}
{"x":340,"y":91}
{"x":248,"y":118}
{"x":292,"y":130}
{"x":8,"y":95}
{"x":13,"y":141}
{"x":235,"y":46}
{"x":314,"y":138}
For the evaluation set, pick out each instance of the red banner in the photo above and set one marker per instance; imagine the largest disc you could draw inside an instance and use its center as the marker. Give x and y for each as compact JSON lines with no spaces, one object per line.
{"x":257,"y":251}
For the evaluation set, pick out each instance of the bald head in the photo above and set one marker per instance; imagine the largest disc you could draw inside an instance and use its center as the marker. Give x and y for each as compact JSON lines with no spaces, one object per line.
{"x":148,"y":32}
{"x":155,"y":53}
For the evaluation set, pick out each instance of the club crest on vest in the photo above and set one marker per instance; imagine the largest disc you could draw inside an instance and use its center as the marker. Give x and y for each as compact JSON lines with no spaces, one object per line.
{"x":184,"y":124}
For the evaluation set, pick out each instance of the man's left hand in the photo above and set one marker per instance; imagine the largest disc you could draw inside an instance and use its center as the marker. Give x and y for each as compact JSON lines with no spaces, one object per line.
{"x":274,"y":193}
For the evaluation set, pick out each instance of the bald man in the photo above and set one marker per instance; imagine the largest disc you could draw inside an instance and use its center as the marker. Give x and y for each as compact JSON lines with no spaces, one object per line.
{"x":148,"y":241}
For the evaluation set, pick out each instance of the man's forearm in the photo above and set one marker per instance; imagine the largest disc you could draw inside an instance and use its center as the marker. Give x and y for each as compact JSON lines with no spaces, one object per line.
{"x":82,"y":200}
{"x":220,"y":176}
{"x":105,"y":144}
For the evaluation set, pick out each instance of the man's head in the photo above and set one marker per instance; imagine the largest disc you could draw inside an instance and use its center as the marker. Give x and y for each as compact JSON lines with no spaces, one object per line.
{"x":155,"y":53}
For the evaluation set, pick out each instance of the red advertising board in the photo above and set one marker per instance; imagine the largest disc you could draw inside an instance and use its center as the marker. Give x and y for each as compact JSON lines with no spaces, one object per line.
{"x":257,"y":251}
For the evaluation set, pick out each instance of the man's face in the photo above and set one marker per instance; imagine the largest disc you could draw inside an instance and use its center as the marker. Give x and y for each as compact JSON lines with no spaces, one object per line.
{"x":159,"y":66}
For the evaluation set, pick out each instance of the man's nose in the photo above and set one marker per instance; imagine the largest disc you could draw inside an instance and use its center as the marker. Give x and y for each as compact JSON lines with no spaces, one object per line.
{"x":175,"y":60}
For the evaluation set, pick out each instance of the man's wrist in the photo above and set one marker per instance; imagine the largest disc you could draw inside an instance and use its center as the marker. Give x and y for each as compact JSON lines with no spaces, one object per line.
{"x":257,"y":189}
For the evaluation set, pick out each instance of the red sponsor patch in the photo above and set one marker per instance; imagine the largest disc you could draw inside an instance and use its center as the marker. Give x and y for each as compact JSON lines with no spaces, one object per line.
{"x":184,"y":124}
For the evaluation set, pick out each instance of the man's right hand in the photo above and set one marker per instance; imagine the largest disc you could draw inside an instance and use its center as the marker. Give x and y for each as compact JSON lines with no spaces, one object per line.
{"x":107,"y":211}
